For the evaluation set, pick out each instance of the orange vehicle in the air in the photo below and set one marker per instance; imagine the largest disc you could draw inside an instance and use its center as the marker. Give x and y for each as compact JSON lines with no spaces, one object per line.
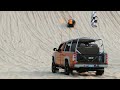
{"x":82,"y":54}
{"x":71,"y":23}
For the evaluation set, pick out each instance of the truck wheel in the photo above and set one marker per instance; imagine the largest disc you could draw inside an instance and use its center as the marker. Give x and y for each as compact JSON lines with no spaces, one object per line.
{"x":99,"y":72}
{"x":67,"y":68}
{"x":54,"y":69}
{"x":79,"y":71}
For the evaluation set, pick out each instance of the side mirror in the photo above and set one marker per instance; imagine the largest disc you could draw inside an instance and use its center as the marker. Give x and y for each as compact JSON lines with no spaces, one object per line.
{"x":55,"y":49}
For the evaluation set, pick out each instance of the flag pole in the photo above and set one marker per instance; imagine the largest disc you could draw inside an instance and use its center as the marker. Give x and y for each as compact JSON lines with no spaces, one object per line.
{"x":61,"y":37}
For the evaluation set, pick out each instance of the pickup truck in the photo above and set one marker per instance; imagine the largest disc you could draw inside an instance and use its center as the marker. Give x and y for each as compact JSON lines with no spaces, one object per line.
{"x":81,"y":54}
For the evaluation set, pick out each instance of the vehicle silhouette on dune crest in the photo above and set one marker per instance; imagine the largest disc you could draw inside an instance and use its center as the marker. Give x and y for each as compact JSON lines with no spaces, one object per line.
{"x":81,"y":54}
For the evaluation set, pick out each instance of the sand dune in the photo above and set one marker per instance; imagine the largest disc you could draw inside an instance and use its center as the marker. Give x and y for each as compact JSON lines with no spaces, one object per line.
{"x":27,"y":39}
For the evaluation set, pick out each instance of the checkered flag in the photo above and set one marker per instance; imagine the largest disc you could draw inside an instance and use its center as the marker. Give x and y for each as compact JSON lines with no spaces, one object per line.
{"x":94,"y":19}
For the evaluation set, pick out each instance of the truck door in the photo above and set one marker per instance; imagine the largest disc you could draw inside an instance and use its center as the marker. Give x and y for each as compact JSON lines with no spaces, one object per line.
{"x":62,"y":54}
{"x":58,"y":55}
{"x":66,"y":52}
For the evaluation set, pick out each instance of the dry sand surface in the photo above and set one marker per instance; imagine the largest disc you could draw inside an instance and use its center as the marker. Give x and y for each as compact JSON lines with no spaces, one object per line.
{"x":27,"y":40}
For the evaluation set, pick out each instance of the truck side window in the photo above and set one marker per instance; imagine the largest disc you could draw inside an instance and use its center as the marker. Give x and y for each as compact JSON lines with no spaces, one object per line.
{"x":73,"y":45}
{"x":67,"y":48}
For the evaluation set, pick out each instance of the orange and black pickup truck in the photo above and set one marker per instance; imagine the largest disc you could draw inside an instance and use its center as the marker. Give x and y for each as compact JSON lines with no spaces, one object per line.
{"x":81,"y":54}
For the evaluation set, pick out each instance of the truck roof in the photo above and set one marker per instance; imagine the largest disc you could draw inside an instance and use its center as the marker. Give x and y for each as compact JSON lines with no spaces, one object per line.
{"x":84,"y":40}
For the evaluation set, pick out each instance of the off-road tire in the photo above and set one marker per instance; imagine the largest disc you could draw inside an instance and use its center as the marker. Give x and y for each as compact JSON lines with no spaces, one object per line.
{"x":67,"y":68}
{"x":99,"y":72}
{"x":54,"y":69}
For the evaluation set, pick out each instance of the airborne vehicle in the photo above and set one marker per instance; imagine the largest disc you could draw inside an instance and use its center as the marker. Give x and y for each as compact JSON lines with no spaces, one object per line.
{"x":71,"y":23}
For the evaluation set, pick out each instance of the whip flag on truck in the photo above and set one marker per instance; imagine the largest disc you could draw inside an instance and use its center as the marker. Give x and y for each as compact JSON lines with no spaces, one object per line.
{"x":94,"y":19}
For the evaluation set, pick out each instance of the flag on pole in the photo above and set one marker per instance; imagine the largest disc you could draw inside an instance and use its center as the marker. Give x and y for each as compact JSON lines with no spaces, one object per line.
{"x":94,"y":19}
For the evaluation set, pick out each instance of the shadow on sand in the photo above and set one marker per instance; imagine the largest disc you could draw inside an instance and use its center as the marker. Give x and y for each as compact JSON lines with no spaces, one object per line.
{"x":75,"y":74}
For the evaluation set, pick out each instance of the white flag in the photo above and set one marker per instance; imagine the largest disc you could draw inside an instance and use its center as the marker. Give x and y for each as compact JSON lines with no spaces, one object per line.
{"x":94,"y":19}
